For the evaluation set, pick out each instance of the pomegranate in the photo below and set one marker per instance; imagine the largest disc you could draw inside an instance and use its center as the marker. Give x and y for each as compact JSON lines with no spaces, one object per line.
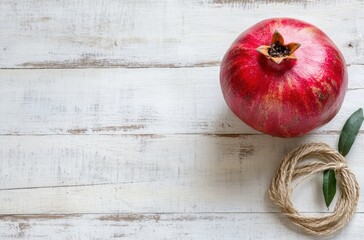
{"x":284,"y":77}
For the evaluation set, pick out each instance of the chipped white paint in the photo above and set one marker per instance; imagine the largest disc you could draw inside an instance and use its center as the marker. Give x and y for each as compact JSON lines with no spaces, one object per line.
{"x":170,"y":173}
{"x":150,"y":152}
{"x":215,"y":226}
{"x":164,"y":33}
{"x":120,"y":101}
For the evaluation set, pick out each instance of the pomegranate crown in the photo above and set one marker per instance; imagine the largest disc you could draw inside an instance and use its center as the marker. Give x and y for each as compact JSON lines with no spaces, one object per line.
{"x":277,"y":51}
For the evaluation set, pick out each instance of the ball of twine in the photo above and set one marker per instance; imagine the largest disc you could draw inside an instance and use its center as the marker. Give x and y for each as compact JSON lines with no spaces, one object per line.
{"x":294,"y":166}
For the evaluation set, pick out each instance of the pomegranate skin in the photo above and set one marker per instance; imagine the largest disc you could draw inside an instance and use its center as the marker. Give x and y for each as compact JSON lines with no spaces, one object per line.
{"x":288,"y":99}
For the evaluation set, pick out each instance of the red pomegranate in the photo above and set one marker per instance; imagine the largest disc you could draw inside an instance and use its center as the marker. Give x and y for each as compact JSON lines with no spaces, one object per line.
{"x":284,"y":77}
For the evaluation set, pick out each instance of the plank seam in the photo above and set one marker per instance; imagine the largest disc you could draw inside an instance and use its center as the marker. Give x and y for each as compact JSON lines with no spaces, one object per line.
{"x":162,"y":66}
{"x":232,"y":135}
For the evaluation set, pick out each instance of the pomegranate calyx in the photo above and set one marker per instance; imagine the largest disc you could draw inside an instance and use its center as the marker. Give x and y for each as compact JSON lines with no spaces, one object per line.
{"x":278,"y":51}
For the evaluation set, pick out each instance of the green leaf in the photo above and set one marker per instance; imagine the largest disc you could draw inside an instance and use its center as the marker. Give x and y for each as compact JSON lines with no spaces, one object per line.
{"x":329,"y":186}
{"x":347,"y":138}
{"x":350,"y":130}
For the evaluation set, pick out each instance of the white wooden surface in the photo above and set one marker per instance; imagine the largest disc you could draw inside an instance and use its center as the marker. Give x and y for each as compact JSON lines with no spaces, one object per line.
{"x":113,"y":124}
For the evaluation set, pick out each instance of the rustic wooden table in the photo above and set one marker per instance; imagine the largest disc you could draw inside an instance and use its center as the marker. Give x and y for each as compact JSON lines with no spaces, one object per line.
{"x":113,"y":124}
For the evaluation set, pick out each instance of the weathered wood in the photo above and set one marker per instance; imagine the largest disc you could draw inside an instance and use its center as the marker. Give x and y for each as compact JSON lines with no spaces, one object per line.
{"x":123,"y":101}
{"x":151,"y":173}
{"x":163,"y":226}
{"x":152,"y":152}
{"x":165,"y":33}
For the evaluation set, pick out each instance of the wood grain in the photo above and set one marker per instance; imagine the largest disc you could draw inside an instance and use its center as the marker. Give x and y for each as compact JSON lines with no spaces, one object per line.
{"x":113,"y":124}
{"x":168,"y":34}
{"x":131,"y":101}
{"x":135,"y":173}
{"x":162,"y":226}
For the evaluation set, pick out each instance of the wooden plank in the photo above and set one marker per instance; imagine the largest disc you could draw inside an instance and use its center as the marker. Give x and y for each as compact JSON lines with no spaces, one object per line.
{"x":124,"y":101}
{"x":150,"y":173}
{"x":165,"y":33}
{"x":163,"y":226}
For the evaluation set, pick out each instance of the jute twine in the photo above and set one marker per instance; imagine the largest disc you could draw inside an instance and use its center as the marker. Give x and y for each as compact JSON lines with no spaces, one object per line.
{"x":291,"y":167}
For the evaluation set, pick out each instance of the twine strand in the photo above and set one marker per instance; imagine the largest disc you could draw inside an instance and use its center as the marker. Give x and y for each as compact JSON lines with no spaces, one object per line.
{"x":294,"y":166}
